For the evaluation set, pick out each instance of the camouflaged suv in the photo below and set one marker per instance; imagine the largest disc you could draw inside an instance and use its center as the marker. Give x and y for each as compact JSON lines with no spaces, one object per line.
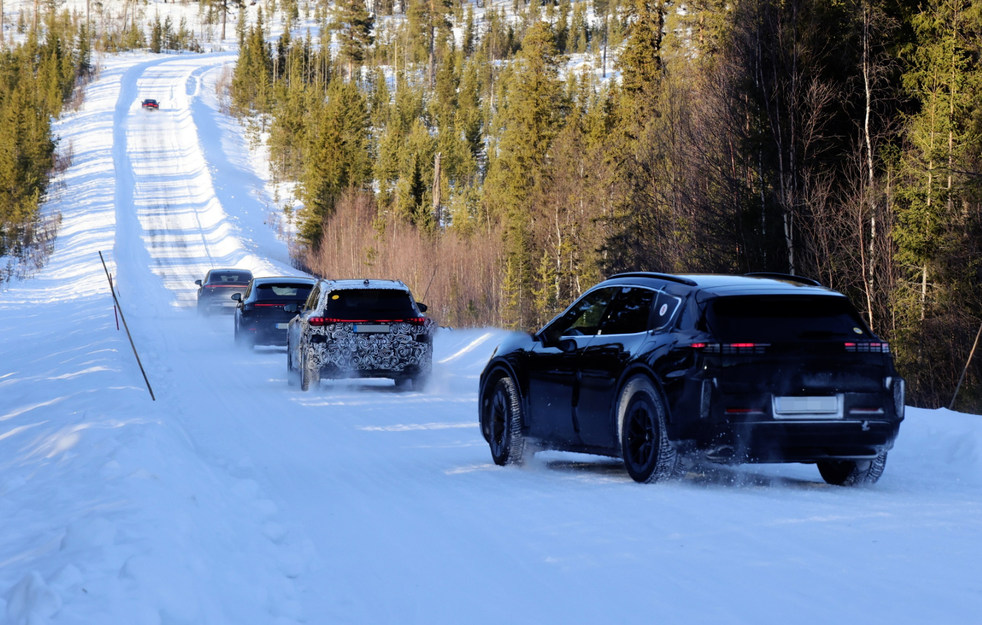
{"x":360,"y":329}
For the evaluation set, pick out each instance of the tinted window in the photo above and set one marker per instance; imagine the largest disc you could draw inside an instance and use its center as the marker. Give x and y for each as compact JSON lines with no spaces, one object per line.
{"x":369,"y":304}
{"x":584,"y":316}
{"x":771,"y":319}
{"x":665,"y":307}
{"x":229,"y":277}
{"x":312,"y":298}
{"x":630,"y":312}
{"x":286,"y":291}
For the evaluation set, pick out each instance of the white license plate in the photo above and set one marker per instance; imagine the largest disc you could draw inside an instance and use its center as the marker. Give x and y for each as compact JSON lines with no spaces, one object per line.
{"x":377,"y":328}
{"x":282,"y":326}
{"x":823,"y":407}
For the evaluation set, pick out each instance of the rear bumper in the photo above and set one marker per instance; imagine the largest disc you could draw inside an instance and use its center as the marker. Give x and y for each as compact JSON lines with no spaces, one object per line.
{"x":797,"y":441}
{"x":805,"y":427}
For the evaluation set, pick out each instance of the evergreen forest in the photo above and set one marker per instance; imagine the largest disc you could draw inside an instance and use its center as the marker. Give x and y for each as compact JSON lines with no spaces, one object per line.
{"x":503,"y":156}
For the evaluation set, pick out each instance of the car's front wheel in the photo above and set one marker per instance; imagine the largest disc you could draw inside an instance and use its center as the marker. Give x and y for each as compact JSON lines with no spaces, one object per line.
{"x":852,"y":472}
{"x":504,"y":423}
{"x":648,"y":454}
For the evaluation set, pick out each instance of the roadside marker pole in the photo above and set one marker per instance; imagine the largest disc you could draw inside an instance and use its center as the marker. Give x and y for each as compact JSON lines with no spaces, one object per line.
{"x":123,"y":317}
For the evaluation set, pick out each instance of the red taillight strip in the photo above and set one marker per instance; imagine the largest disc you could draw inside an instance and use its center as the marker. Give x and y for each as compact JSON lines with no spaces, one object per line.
{"x":731,"y":348}
{"x":321,"y":321}
{"x":867,"y":348}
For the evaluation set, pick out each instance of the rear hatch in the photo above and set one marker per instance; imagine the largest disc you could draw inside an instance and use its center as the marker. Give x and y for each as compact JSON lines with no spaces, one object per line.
{"x":271,"y":297}
{"x":794,"y":356}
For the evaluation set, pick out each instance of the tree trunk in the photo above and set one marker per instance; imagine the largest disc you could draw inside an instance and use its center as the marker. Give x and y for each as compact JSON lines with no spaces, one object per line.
{"x":437,"y":200}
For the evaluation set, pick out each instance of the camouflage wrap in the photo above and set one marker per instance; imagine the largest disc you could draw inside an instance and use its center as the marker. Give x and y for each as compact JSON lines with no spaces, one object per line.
{"x":405,"y":346}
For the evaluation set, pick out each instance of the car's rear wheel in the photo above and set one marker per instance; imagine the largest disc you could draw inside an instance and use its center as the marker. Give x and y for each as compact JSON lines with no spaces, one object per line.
{"x":504,"y":423}
{"x":310,"y":375}
{"x":292,"y":374}
{"x":648,"y":455}
{"x":852,"y":472}
{"x":241,"y":339}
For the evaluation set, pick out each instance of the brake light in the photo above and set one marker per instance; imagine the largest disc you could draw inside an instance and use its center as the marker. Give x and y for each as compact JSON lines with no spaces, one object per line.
{"x":268,"y":305}
{"x":868,"y":348}
{"x":323,"y":321}
{"x":731,"y":348}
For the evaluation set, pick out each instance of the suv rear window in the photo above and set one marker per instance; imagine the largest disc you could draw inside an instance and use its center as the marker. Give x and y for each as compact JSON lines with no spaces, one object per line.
{"x":775,"y":319}
{"x":229,"y":277}
{"x":369,"y":304}
{"x":283,"y":291}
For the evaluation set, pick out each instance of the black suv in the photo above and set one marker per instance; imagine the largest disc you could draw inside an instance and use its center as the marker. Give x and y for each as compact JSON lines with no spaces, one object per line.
{"x":219,"y":285}
{"x":260,"y":316}
{"x":731,"y":369}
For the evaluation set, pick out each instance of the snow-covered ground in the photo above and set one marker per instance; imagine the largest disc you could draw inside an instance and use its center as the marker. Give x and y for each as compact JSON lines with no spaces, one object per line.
{"x":236,"y":499}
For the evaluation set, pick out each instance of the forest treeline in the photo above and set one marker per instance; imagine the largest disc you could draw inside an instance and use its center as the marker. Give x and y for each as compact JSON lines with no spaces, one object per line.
{"x":36,"y":78}
{"x":503,"y":158}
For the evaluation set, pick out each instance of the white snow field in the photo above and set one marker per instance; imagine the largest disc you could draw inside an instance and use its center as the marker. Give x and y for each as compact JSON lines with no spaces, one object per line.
{"x":236,"y":499}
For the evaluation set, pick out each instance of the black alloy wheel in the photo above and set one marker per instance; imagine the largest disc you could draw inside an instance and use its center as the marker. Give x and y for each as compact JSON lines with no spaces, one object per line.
{"x":648,"y":455}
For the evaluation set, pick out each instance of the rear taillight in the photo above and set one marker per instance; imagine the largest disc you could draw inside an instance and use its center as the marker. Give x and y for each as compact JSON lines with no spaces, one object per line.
{"x":867,"y":348}
{"x":323,"y":321}
{"x":731,"y":348}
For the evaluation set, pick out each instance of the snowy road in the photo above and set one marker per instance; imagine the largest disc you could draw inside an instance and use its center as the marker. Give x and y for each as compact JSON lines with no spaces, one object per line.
{"x":236,"y":499}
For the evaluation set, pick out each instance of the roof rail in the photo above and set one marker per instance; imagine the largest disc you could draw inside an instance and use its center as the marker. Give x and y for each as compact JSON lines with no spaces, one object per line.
{"x":783,"y":276}
{"x":653,"y":274}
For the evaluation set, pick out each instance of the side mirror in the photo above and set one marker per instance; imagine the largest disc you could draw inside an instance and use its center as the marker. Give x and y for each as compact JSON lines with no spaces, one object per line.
{"x":198,"y":282}
{"x":422,"y":307}
{"x":237,"y":297}
{"x":567,"y":346}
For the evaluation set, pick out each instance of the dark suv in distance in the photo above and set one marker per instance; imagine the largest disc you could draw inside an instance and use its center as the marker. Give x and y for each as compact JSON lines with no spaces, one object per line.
{"x":260,"y":312}
{"x":360,"y":329}
{"x":219,"y":285}
{"x":654,"y":367}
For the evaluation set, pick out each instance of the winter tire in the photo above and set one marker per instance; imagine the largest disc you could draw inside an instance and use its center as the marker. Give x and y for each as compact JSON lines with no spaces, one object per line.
{"x":504,"y":415}
{"x":309,"y":375}
{"x":292,"y":374}
{"x":648,"y":455}
{"x":241,"y":340}
{"x":852,"y":472}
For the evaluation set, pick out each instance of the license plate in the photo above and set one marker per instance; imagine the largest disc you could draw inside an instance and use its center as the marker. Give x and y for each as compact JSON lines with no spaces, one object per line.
{"x":824,"y":407}
{"x":377,"y":328}
{"x":282,"y":326}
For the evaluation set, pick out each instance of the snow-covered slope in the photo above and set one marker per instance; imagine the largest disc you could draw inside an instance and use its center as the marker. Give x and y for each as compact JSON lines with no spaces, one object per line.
{"x":236,"y":499}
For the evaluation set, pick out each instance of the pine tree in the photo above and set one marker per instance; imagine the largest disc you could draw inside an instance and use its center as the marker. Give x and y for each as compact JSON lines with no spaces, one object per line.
{"x":530,"y":116}
{"x":354,"y":27}
{"x":336,"y":157}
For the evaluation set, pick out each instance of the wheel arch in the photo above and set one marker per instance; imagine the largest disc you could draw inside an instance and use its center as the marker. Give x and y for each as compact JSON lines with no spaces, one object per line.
{"x":628,"y":374}
{"x":494,"y":371}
